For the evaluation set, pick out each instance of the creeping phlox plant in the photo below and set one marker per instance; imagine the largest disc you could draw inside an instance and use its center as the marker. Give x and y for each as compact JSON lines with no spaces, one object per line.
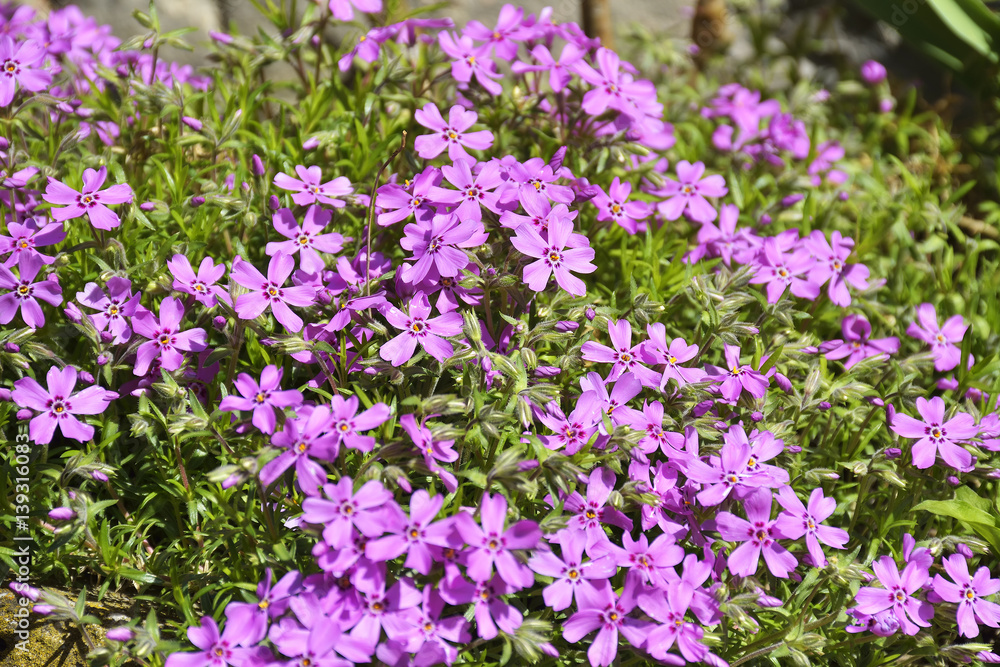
{"x":460,"y":348}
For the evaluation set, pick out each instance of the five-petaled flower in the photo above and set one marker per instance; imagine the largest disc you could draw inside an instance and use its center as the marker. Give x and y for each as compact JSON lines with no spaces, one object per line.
{"x":57,"y":405}
{"x":92,"y":201}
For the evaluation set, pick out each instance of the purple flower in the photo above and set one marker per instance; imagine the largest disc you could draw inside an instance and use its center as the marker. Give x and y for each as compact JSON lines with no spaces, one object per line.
{"x":600,"y":609}
{"x":624,"y":356}
{"x":569,"y":573}
{"x":216,"y":650}
{"x":575,"y":431}
{"x":18,"y":67}
{"x":614,"y":205}
{"x":304,"y":437}
{"x":262,"y":398}
{"x":470,"y":61}
{"x":309,"y":190}
{"x":414,"y":535}
{"x":347,"y":422}
{"x":432,"y":450}
{"x":399,"y":203}
{"x":734,"y":469}
{"x":758,"y":535}
{"x":115,"y":306}
{"x":505,"y":36}
{"x":560,"y":71}
{"x":688,"y":193}
{"x":26,"y":236}
{"x":968,"y":592}
{"x":429,"y":638}
{"x":202,"y":286}
{"x":58,"y":404}
{"x":306,"y":240}
{"x":342,"y":510}
{"x":736,"y":378}
{"x":554,"y":257}
{"x":942,"y":339}
{"x":343,"y":10}
{"x":417,"y":328}
{"x":490,"y":544}
{"x":615,"y":403}
{"x":248,"y":621}
{"x":797,"y":520}
{"x":592,"y":512}
{"x":669,"y":604}
{"x":382,"y":608}
{"x":780,"y":271}
{"x":24,"y":292}
{"x":451,"y":135}
{"x":436,"y":246}
{"x":831,"y":264}
{"x":91,"y":202}
{"x":657,"y":351}
{"x":270,"y":291}
{"x":937,"y":436}
{"x":473,"y":191}
{"x":898,"y":594}
{"x":857,"y":345}
{"x":872,"y":72}
{"x":166,"y":340}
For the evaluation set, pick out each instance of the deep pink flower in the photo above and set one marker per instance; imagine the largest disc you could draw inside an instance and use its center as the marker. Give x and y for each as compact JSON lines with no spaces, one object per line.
{"x":270,"y":291}
{"x":589,"y":514}
{"x":115,"y":306}
{"x":657,"y":351}
{"x":831,"y":264}
{"x":201,"y":285}
{"x":688,"y":193}
{"x":216,"y":650}
{"x":432,"y":450}
{"x":730,"y":471}
{"x":57,"y":405}
{"x":92,"y":202}
{"x":437,"y":246}
{"x":414,"y":535}
{"x":560,"y":71}
{"x":555,"y":257}
{"x":474,"y":191}
{"x":166,"y":340}
{"x":737,"y":378}
{"x":798,"y":520}
{"x":857,"y":344}
{"x":758,"y":535}
{"x":399,"y":202}
{"x":942,"y":339}
{"x":490,"y":544}
{"x":614,"y":205}
{"x":569,"y":573}
{"x":968,"y":592}
{"x":576,"y":430}
{"x":781,"y":271}
{"x":504,"y":37}
{"x":600,"y":609}
{"x":449,"y":135}
{"x":872,"y":72}
{"x":937,"y":436}
{"x":470,"y":61}
{"x":262,"y":397}
{"x":342,"y":510}
{"x":614,"y":404}
{"x":625,"y":356}
{"x":306,"y":240}
{"x":343,"y":10}
{"x":347,"y":422}
{"x":24,"y":292}
{"x":417,"y":328}
{"x":25,"y":237}
{"x":304,"y":437}
{"x":252,"y":618}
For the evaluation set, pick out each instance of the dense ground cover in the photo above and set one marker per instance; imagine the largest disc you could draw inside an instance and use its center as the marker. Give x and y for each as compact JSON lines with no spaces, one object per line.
{"x":623,"y":362}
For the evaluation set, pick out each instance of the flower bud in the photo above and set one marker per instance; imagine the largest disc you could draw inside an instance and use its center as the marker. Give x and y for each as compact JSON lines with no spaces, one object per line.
{"x":99,"y":476}
{"x":565,"y":326}
{"x":43,"y":609}
{"x":824,"y":405}
{"x":873,"y":72}
{"x":197,"y":201}
{"x":107,"y":336}
{"x":86,"y":377}
{"x":102,"y":360}
{"x":219,"y":322}
{"x":886,"y":105}
{"x":61,"y":514}
{"x":13,"y":348}
{"x":147,"y":206}
{"x":757,"y":416}
{"x":274,"y":203}
{"x":119,"y":634}
{"x":5,"y":395}
{"x":258,"y":165}
{"x":893,"y":452}
{"x":311,"y":143}
{"x":590,"y":314}
{"x":24,"y":414}
{"x":193,"y":123}
{"x":220,"y":37}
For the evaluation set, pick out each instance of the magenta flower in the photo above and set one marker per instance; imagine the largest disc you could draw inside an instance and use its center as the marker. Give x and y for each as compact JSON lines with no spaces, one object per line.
{"x":831,"y":264}
{"x":252,"y":617}
{"x":306,"y":240}
{"x":309,"y":190}
{"x":216,"y":650}
{"x":166,"y":340}
{"x":609,"y":84}
{"x":758,"y":535}
{"x":18,"y":67}
{"x":262,"y":397}
{"x":25,"y":237}
{"x":872,"y":72}
{"x":554,"y":257}
{"x":474,"y":192}
{"x":780,"y":271}
{"x":942,"y":339}
{"x":432,"y":450}
{"x":857,"y":344}
{"x":574,"y":431}
{"x":343,"y":10}
{"x":414,"y":535}
{"x":398,"y":202}
{"x":491,"y":611}
{"x":657,"y":351}
{"x":736,"y":378}
{"x":449,"y":135}
{"x":24,"y":292}
{"x":430,"y":636}
{"x":688,"y":193}
{"x":589,"y":514}
{"x":347,"y":422}
{"x":504,"y":37}
{"x":624,"y":356}
{"x":202,"y":286}
{"x":417,"y":328}
{"x":614,"y":404}
{"x":115,"y":306}
{"x":968,"y":592}
{"x":560,"y":71}
{"x":730,"y":471}
{"x":569,"y":573}
{"x":270,"y":291}
{"x":304,"y":438}
{"x":669,"y":605}
{"x":342,"y":510}
{"x":490,"y":544}
{"x":602,"y":610}
{"x":437,"y":245}
{"x":382,"y":608}
{"x":58,"y":404}
{"x":92,"y":202}
{"x":898,"y":594}
{"x":614,"y":205}
{"x":470,"y":61}
{"x":937,"y":436}
{"x":797,"y":520}
{"x":652,"y":563}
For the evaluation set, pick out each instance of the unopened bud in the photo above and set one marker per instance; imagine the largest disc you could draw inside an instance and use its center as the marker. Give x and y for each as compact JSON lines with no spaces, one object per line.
{"x":258,"y":165}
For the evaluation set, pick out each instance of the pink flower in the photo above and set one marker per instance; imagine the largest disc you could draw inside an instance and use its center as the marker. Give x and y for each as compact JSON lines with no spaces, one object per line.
{"x":216,"y":650}
{"x":798,"y":520}
{"x":554,"y":257}
{"x":872,"y":72}
{"x":857,"y":345}
{"x":437,"y":246}
{"x":759,"y":536}
{"x":24,"y":292}
{"x":25,"y":237}
{"x":831,"y":264}
{"x":343,"y":10}
{"x":451,"y":135}
{"x":92,"y":202}
{"x":688,"y":193}
{"x":166,"y":340}
{"x":306,"y":240}
{"x":898,"y":594}
{"x":657,"y":351}
{"x":942,"y":339}
{"x":345,"y":510}
{"x":417,"y":328}
{"x":614,"y":205}
{"x":58,"y":404}
{"x":202,"y":286}
{"x":116,"y":307}
{"x":263,"y":397}
{"x":935,"y":435}
{"x":570,"y":573}
{"x":736,"y":378}
{"x":309,"y":190}
{"x":491,"y":544}
{"x":18,"y":68}
{"x":622,"y":354}
{"x":600,"y":609}
{"x":968,"y":592}
{"x":270,"y":291}
{"x":471,"y":61}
